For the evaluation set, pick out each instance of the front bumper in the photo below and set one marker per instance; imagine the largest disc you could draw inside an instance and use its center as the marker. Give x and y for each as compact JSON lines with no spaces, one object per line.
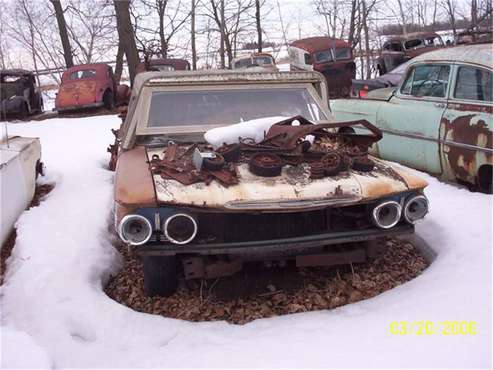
{"x":81,"y":106}
{"x":302,"y":244}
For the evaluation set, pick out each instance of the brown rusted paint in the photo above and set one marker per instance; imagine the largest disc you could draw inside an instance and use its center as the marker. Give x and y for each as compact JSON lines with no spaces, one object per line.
{"x":134,"y":185}
{"x":463,"y":161}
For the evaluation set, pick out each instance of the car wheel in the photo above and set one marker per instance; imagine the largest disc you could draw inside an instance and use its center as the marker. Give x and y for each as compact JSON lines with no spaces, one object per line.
{"x":213,"y":164}
{"x":108,"y":100}
{"x":265,"y":165}
{"x":160,"y":275}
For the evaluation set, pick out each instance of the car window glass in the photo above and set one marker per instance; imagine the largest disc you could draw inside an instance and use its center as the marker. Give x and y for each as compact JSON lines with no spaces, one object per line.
{"x":411,"y":44}
{"x":323,"y":56}
{"x":212,"y":107}
{"x":433,"y":41}
{"x":342,"y":53}
{"x":80,"y":75}
{"x":164,"y":67}
{"x":427,"y":80}
{"x":263,"y":60}
{"x":12,"y":78}
{"x":396,"y":46}
{"x":474,"y":84}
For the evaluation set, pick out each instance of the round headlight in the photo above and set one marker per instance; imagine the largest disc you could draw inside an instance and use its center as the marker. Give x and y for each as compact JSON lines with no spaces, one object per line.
{"x":416,"y":208}
{"x":387,"y":214}
{"x":180,"y":228}
{"x":135,"y":229}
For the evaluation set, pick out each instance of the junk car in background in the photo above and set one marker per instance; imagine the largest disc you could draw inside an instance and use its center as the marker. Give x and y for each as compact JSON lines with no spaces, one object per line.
{"x":440,"y":117}
{"x":19,"y":94}
{"x":399,"y":49}
{"x":161,"y":64}
{"x":331,"y":57}
{"x":273,"y":178}
{"x":256,"y":60}
{"x":90,"y":86}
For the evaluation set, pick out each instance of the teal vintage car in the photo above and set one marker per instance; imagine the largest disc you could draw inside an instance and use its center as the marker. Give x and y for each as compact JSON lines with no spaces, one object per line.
{"x":439,"y":119}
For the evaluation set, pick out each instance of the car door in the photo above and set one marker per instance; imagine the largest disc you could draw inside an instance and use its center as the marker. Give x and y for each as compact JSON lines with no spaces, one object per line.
{"x":467,"y":125}
{"x":411,"y":119}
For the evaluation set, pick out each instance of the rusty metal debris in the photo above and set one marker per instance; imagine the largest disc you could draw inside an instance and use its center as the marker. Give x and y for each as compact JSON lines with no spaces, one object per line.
{"x":285,"y":144}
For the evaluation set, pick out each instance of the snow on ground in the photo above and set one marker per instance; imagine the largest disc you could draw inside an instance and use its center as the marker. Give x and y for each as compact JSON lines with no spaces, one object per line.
{"x":63,"y":253}
{"x":49,"y":99}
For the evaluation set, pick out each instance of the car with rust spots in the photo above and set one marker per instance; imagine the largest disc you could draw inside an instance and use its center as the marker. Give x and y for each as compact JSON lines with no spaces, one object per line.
{"x":89,"y":86}
{"x":331,"y":57}
{"x":440,"y":117}
{"x":197,"y":193}
{"x":399,"y":49}
{"x":19,"y":95}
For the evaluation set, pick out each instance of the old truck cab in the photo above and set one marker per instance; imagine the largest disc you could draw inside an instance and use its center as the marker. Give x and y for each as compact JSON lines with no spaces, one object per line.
{"x":331,"y":57}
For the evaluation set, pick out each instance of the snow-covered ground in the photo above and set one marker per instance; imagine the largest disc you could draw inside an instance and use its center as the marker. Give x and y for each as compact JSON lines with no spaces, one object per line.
{"x":55,"y":313}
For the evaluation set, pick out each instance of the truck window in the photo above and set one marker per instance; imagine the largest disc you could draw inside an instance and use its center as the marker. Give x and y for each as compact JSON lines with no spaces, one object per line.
{"x":323,"y":56}
{"x":342,"y":53}
{"x":80,"y":75}
{"x":474,"y":84}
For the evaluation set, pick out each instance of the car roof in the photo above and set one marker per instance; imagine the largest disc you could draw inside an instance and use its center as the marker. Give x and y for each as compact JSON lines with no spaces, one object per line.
{"x":476,"y":54}
{"x":319,"y":43}
{"x":15,"y":72}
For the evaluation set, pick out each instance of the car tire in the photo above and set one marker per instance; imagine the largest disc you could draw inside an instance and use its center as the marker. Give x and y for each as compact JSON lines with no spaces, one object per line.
{"x":213,"y":164}
{"x":108,"y":100}
{"x":363,"y":164}
{"x":160,"y":275}
{"x":484,"y":179}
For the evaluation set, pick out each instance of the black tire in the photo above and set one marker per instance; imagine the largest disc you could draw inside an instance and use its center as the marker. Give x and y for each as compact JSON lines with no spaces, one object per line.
{"x":108,"y":100}
{"x":363,"y":164}
{"x":160,"y":275}
{"x":485,"y":179}
{"x":346,"y":130}
{"x":265,"y":165}
{"x":230,"y":153}
{"x":213,"y":164}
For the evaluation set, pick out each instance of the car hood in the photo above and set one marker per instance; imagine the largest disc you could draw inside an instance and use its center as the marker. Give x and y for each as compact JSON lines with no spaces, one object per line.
{"x":293,"y":189}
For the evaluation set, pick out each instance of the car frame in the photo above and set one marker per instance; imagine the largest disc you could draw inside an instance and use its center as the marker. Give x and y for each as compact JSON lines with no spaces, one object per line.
{"x":20,"y":97}
{"x":399,"y":49}
{"x":89,"y":86}
{"x":146,"y":203}
{"x":443,"y":130}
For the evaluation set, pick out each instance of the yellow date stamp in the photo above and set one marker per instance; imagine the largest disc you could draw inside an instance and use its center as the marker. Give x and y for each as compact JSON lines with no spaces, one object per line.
{"x":427,"y":327}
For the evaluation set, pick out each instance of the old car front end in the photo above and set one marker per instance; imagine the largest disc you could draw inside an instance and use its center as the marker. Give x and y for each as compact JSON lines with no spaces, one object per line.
{"x":326,"y":192}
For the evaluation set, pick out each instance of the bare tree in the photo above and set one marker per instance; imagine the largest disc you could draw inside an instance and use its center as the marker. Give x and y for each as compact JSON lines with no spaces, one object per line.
{"x":259,"y":26}
{"x":450,"y":8}
{"x":126,"y":36}
{"x":192,"y":36}
{"x":62,"y":28}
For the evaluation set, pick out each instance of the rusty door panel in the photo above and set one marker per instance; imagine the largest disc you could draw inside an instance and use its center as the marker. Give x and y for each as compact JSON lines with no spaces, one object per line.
{"x":466,"y":131}
{"x":77,"y":93}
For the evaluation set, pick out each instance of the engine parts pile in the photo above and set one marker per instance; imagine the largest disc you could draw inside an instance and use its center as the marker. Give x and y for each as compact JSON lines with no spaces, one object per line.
{"x":326,"y":152}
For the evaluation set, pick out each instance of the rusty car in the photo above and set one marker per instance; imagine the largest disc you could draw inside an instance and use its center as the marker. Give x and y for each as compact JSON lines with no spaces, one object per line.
{"x":255,"y":60}
{"x":307,"y":192}
{"x":89,"y":86}
{"x":440,"y":117}
{"x":163,"y":64}
{"x":399,"y":49}
{"x":19,"y":95}
{"x":331,"y":57}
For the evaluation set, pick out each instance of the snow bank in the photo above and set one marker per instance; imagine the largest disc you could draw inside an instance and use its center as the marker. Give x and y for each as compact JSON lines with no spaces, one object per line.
{"x":18,"y":350}
{"x":53,"y":289}
{"x":254,"y":129}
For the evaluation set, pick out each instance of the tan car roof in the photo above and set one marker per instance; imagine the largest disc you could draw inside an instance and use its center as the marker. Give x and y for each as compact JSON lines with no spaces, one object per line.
{"x":481,"y":54}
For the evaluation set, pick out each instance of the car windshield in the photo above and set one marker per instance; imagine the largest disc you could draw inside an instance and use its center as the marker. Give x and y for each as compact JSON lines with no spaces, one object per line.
{"x":433,"y":41}
{"x":224,"y":107}
{"x":323,"y":56}
{"x":413,"y":44}
{"x":263,"y":60}
{"x":343,"y":53}
{"x":164,"y":67}
{"x":81,"y":75}
{"x":11,"y":78}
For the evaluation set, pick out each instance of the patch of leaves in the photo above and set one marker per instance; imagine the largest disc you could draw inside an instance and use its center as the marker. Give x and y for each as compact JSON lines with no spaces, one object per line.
{"x":256,"y":293}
